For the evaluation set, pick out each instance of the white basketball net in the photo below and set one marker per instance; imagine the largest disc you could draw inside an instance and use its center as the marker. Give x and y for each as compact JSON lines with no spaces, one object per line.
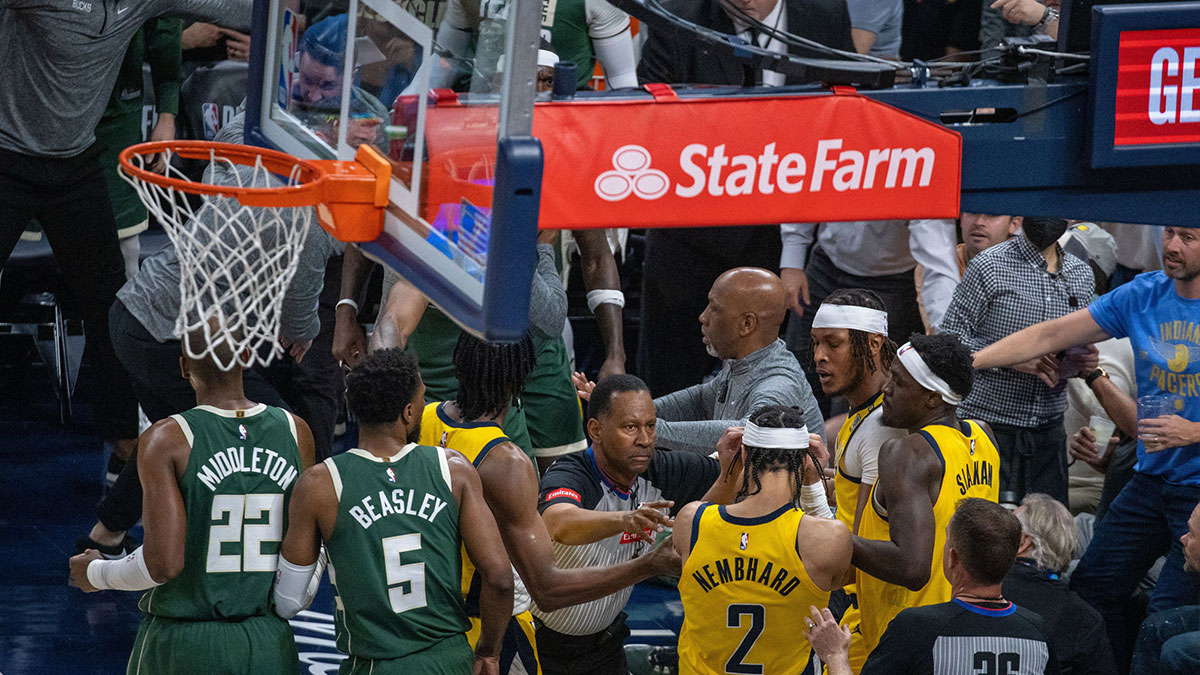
{"x":235,"y":261}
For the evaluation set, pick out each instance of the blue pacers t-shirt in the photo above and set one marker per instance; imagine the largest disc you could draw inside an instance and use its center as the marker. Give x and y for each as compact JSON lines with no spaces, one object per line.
{"x":1165,"y":332}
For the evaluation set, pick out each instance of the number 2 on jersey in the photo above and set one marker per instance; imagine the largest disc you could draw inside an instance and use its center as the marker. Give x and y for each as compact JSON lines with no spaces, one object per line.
{"x":252,"y":536}
{"x":736,"y":664}
{"x":399,"y":576}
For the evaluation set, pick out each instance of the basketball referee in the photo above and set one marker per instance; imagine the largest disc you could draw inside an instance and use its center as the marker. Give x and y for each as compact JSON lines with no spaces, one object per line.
{"x":604,"y":506}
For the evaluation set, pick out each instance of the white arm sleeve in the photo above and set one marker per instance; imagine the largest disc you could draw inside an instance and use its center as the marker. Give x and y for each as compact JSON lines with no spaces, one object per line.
{"x":127,"y":574}
{"x":604,"y":20}
{"x":814,"y":502}
{"x":616,"y":55}
{"x":613,"y":43}
{"x":295,"y":585}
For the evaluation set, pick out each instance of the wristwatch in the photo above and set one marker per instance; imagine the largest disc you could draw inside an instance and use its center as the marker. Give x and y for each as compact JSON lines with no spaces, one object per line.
{"x":1094,"y":375}
{"x":1051,"y":14}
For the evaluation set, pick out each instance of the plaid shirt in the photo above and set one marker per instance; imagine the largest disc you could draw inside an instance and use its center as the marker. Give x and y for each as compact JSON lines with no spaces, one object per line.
{"x":1007,"y":288}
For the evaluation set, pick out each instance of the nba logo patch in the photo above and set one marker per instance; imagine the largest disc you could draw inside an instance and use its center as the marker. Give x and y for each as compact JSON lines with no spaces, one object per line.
{"x":745,"y":541}
{"x":391,"y":475}
{"x":212,"y":120}
{"x":242,"y":432}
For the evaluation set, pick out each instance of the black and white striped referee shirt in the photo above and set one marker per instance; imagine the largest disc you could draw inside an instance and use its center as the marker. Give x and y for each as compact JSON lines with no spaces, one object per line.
{"x":576,"y":479}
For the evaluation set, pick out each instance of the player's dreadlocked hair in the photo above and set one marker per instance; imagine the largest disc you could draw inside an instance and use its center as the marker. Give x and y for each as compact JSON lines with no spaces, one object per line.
{"x":948,"y":358}
{"x":490,"y":374}
{"x":860,"y":345}
{"x":766,"y":460}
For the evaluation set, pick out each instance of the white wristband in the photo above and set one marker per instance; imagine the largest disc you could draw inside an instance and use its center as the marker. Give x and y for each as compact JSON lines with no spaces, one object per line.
{"x":127,"y":574}
{"x":603,"y":296}
{"x":347,"y":301}
{"x":814,"y":502}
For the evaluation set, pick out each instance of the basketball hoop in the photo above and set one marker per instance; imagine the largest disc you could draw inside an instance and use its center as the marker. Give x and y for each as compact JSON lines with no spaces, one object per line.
{"x":239,"y":244}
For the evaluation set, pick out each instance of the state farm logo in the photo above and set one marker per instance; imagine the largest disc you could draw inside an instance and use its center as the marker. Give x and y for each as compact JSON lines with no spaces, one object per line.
{"x":631,"y":174}
{"x":716,"y":172}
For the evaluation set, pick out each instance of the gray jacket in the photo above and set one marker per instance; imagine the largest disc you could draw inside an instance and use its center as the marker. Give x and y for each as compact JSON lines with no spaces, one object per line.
{"x":61,"y":59}
{"x":695,"y":418}
{"x":152,"y":295}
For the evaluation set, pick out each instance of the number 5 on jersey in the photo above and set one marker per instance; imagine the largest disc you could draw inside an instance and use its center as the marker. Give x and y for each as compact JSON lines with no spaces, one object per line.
{"x":406,"y":583}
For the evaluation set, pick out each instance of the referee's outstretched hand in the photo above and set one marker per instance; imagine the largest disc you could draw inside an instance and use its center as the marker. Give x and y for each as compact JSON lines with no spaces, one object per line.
{"x":648,"y":520}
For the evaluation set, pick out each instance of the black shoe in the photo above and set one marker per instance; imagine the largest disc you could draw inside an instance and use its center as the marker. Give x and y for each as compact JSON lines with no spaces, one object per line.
{"x":127,"y":546}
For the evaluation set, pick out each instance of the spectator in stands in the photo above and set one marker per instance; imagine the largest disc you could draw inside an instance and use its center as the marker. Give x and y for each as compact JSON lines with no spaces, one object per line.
{"x":1005,"y":289}
{"x":50,"y":163}
{"x":980,"y":627}
{"x":876,"y":255}
{"x":1169,"y":642}
{"x":1037,"y":17}
{"x":875,"y":26}
{"x":680,"y":260}
{"x":1157,"y":311}
{"x":604,"y":506}
{"x":740,"y":326}
{"x":317,"y":91}
{"x":1036,"y":583}
{"x":982,"y":231}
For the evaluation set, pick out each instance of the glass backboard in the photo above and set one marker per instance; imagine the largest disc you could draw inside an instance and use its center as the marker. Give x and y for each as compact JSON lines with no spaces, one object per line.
{"x":426,"y":84}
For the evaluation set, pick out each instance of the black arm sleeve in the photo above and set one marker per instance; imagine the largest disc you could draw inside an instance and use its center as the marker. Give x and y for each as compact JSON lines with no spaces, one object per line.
{"x":570,"y":481}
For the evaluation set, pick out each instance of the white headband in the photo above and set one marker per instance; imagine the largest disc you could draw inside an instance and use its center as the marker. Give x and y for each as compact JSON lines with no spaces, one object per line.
{"x":924,"y":376}
{"x":771,"y":437}
{"x":852,"y":317}
{"x":546,"y":58}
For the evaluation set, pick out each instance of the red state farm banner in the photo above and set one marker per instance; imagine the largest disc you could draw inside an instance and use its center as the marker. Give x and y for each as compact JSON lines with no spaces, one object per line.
{"x":742,"y":161}
{"x":1156,"y":82}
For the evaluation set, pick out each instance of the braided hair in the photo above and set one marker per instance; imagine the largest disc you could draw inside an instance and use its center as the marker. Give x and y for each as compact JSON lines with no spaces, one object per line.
{"x":490,"y":374}
{"x":860,"y":341}
{"x":765,"y":460}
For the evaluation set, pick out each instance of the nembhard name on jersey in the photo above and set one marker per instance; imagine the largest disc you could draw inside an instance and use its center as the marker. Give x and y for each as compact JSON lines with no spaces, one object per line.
{"x":745,"y":569}
{"x":234,"y":460}
{"x":399,"y":502}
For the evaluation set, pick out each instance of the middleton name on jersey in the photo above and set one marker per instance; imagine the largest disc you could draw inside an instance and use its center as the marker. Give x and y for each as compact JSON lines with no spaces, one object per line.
{"x":269,"y":463}
{"x":400,"y":501}
{"x":745,"y":569}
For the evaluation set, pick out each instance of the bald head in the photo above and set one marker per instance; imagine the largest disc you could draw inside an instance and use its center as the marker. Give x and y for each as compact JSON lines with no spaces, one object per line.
{"x":746,"y":307}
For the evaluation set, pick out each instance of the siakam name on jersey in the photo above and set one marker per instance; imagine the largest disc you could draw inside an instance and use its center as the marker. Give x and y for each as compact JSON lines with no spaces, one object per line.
{"x":236,"y":460}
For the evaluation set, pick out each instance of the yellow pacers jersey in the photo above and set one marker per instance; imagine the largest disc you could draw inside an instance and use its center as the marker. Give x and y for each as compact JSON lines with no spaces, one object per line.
{"x":743,"y":589}
{"x":845,"y":486}
{"x":473,"y":439}
{"x":972,"y":469}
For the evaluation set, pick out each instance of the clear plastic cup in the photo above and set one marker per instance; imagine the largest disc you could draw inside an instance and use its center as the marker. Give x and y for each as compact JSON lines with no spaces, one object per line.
{"x":1103,"y":429}
{"x":1158,"y":405}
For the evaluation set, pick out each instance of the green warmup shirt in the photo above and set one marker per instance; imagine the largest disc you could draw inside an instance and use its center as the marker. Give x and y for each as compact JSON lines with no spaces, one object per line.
{"x":394,"y":553}
{"x":239,"y":478}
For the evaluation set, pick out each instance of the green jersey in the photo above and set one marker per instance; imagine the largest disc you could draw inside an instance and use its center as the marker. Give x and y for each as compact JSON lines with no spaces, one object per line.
{"x":394,"y":553}
{"x":239,"y":477}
